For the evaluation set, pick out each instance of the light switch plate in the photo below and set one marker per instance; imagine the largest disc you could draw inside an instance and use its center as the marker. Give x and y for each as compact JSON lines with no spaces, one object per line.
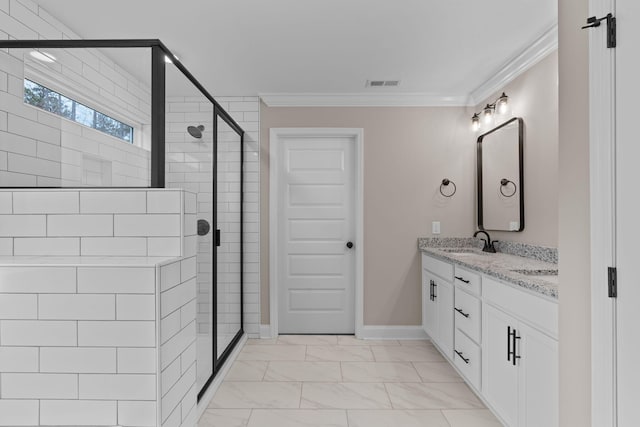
{"x":435,"y":227}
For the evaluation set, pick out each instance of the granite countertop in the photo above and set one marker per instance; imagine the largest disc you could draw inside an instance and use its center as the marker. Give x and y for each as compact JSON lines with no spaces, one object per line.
{"x":501,"y":265}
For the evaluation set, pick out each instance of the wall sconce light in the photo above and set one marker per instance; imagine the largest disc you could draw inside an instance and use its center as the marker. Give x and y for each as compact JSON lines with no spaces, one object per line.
{"x":487,"y":114}
{"x":499,"y":106}
{"x":475,"y":122}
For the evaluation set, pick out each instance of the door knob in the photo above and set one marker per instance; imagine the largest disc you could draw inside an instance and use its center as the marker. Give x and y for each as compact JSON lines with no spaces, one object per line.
{"x":349,"y":245}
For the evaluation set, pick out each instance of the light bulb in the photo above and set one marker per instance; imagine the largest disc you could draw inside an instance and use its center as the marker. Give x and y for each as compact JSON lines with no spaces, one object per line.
{"x":502,"y":104}
{"x":487,"y":114}
{"x":475,"y":123}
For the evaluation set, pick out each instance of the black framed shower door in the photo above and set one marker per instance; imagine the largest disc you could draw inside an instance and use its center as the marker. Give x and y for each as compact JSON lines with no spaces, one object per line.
{"x":161,"y":58}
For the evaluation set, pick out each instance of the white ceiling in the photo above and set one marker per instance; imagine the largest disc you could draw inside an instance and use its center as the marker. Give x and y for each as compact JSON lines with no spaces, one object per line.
{"x":248,"y":47}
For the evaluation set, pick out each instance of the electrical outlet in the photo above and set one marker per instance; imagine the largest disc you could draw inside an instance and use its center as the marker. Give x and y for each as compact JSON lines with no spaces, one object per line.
{"x":435,"y":227}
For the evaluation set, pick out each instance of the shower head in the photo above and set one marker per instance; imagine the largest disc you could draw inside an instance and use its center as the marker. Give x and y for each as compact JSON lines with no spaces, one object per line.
{"x":195,"y":132}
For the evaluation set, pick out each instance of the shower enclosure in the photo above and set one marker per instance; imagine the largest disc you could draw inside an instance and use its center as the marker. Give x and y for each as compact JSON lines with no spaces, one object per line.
{"x":128,"y":114}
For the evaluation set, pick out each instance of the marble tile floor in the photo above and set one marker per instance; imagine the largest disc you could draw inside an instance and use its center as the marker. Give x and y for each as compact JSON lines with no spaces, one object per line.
{"x":340,"y":381}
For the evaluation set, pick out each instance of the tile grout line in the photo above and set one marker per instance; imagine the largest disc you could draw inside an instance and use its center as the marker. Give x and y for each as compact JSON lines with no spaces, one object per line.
{"x":445,"y":417}
{"x":388,"y":395}
{"x":306,"y":348}
{"x":413,"y":365}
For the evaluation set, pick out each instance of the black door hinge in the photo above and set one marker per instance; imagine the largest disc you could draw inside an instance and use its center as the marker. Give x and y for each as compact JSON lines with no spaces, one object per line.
{"x":593,"y":22}
{"x":613,"y":282}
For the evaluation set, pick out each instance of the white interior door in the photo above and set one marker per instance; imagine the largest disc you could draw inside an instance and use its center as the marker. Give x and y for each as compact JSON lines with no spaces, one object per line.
{"x":316,"y":212}
{"x":628,"y":212}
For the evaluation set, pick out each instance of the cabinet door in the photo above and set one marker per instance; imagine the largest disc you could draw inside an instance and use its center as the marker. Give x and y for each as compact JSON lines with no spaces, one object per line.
{"x":538,"y":379}
{"x":499,"y":375}
{"x":444,"y":291}
{"x":429,"y":307}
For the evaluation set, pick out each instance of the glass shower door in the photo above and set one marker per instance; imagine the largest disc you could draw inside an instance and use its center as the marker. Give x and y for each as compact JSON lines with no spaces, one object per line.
{"x":229,"y":226}
{"x":204,"y":156}
{"x":189,"y":165}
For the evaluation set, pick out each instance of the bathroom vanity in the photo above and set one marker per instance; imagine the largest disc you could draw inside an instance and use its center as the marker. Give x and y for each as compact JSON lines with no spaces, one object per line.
{"x":494,"y":316}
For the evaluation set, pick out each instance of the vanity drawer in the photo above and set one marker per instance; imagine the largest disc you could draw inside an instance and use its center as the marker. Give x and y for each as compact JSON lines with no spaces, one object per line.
{"x":467,"y":280}
{"x":466,"y":357}
{"x":537,"y":311}
{"x":440,"y":268}
{"x":468,"y":314}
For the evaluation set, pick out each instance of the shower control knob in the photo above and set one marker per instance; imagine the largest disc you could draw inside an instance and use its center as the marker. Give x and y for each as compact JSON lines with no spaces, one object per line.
{"x":203,"y":227}
{"x":349,"y":245}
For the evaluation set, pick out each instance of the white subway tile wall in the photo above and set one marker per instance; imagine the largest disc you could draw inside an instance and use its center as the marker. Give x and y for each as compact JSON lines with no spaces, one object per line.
{"x":95,"y":223}
{"x":246,"y":112}
{"x":100,"y":366}
{"x":78,"y":343}
{"x":228,"y":253}
{"x":188,"y":160}
{"x":177,"y":362}
{"x":189,"y":165}
{"x":38,"y":148}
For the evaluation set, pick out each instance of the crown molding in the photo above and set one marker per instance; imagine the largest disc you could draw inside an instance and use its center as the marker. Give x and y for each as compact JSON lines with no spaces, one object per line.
{"x":534,"y":53}
{"x":361,"y":100}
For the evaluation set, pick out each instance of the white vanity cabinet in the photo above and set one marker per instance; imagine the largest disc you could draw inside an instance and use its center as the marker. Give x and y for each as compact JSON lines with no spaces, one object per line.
{"x":520,"y":349}
{"x":502,"y":339}
{"x":437,"y":303}
{"x":467,"y":352}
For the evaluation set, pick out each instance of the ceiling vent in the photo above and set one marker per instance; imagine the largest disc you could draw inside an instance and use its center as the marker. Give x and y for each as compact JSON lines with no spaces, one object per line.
{"x":381,"y":83}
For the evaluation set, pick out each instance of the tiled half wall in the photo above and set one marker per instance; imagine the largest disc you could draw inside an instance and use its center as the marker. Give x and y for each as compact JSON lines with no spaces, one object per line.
{"x":98,"y":340}
{"x":97,"y":223}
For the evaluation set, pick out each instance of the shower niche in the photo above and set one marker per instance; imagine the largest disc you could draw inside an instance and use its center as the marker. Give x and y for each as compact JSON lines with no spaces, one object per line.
{"x":128,"y":114}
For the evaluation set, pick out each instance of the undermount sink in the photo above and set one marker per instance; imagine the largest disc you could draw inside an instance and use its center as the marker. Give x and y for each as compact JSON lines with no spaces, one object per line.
{"x":536,"y":272}
{"x":462,"y":251}
{"x":550,"y":275}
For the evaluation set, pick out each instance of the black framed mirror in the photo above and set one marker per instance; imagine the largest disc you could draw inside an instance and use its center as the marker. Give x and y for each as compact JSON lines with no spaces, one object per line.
{"x":501,"y":177}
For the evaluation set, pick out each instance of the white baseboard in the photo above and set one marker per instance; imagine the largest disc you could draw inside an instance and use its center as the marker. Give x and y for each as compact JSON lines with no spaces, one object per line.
{"x":265,"y":332}
{"x":373,"y":332}
{"x":215,"y":384}
{"x":382,"y":332}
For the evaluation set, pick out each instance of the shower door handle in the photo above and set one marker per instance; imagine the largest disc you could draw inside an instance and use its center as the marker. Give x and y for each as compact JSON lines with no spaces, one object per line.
{"x":217,"y":237}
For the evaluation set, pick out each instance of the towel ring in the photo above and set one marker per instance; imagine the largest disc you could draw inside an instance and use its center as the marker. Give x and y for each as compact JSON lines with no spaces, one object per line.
{"x":445,"y":183}
{"x":503,"y":183}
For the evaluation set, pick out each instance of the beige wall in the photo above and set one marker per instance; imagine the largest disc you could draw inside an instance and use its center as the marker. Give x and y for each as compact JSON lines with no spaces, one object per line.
{"x":574,"y":235}
{"x":407,"y":153}
{"x":534,"y":97}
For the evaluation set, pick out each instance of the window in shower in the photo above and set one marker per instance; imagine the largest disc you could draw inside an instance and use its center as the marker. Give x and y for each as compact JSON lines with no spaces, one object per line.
{"x":83,"y":113}
{"x":49,"y":100}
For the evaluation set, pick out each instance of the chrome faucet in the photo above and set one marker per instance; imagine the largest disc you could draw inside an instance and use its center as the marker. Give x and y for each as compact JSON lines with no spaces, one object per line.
{"x":488,"y":244}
